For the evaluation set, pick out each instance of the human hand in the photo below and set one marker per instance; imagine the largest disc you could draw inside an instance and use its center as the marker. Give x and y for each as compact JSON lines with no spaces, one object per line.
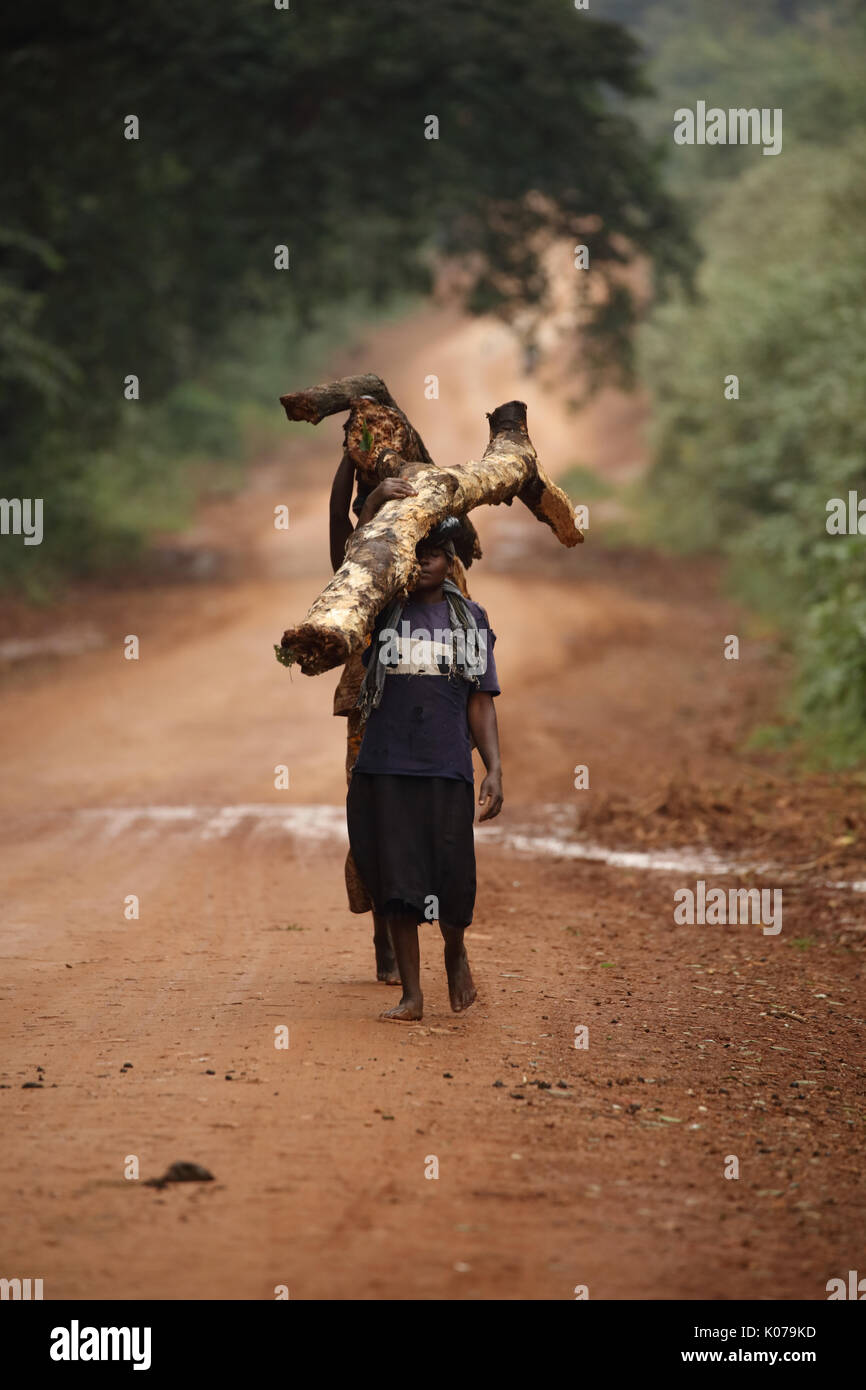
{"x":491,"y":792}
{"x":387,"y":491}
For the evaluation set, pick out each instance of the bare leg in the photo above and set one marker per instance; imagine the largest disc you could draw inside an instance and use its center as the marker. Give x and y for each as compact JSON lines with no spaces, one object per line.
{"x":461,"y":986}
{"x":386,"y":961}
{"x":404,"y":934}
{"x":359,"y":898}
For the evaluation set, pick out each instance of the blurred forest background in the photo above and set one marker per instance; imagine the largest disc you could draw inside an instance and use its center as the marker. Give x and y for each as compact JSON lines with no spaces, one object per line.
{"x":261,"y":127}
{"x":781,"y":302}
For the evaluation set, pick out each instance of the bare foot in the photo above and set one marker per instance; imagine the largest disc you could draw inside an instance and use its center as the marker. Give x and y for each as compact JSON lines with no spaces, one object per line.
{"x":407,"y":1011}
{"x":386,"y":962}
{"x":388,"y":974}
{"x":461,"y":986}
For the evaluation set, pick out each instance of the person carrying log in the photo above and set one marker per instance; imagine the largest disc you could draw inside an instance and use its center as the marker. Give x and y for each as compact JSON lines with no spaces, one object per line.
{"x":426,"y":699}
{"x":413,"y":533}
{"x":365,"y":507}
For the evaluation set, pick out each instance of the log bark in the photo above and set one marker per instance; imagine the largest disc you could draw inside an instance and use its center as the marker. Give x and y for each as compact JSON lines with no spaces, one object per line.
{"x":380,"y":557}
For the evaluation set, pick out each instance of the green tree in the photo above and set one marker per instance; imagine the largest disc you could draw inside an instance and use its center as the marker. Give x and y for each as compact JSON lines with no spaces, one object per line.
{"x":302,"y":127}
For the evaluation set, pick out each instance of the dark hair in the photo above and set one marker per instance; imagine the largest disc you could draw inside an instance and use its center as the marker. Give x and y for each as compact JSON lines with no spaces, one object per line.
{"x":440,"y":537}
{"x":443,"y":535}
{"x":457,"y":529}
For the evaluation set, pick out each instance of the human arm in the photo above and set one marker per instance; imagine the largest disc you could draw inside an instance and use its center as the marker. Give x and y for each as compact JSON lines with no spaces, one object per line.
{"x":341,"y":501}
{"x":341,"y":526}
{"x":482,"y":725}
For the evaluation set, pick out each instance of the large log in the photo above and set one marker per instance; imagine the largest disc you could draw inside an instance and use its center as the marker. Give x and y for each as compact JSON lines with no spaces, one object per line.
{"x":380,"y":556}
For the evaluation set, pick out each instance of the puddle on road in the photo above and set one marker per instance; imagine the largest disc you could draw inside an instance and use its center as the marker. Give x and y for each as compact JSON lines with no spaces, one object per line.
{"x":687,"y":861}
{"x":309,"y":823}
{"x":684,"y":861}
{"x":70,"y":643}
{"x":546,"y":833}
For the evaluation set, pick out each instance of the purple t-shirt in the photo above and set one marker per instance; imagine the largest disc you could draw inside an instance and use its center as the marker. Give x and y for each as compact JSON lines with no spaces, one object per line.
{"x":421,"y":728}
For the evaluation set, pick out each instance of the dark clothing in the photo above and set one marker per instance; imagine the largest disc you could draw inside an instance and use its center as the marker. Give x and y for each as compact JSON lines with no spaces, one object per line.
{"x":412,"y":841}
{"x":421,"y":728}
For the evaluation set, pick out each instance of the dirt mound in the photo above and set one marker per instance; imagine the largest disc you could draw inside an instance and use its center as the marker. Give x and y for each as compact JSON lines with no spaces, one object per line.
{"x":819,"y":823}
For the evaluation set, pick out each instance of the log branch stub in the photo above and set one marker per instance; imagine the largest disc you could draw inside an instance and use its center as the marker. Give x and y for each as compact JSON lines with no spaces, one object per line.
{"x":544,"y":498}
{"x":333,"y":397}
{"x":509,"y":418}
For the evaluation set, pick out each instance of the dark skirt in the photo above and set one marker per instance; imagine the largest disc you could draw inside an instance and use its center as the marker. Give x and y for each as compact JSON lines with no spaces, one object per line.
{"x":413,"y":844}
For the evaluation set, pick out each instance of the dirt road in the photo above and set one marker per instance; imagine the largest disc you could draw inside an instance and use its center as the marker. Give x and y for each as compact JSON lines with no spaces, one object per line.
{"x":558,"y":1166}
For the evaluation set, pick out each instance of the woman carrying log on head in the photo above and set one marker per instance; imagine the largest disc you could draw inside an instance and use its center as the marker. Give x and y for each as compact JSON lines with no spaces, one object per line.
{"x":366,"y":504}
{"x":426,"y":697}
{"x":373,"y":565}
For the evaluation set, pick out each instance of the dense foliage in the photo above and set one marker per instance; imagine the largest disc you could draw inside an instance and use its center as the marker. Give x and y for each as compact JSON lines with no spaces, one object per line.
{"x":782,"y":305}
{"x":260,"y":127}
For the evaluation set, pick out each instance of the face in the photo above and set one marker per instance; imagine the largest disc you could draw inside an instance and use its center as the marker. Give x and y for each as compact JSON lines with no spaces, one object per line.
{"x":434,"y":564}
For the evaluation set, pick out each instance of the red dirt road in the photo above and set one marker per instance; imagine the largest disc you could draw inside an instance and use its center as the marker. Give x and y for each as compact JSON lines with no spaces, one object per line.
{"x":557,"y":1167}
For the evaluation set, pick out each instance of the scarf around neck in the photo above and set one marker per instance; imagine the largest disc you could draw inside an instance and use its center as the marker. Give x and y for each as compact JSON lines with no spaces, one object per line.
{"x":460,"y":620}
